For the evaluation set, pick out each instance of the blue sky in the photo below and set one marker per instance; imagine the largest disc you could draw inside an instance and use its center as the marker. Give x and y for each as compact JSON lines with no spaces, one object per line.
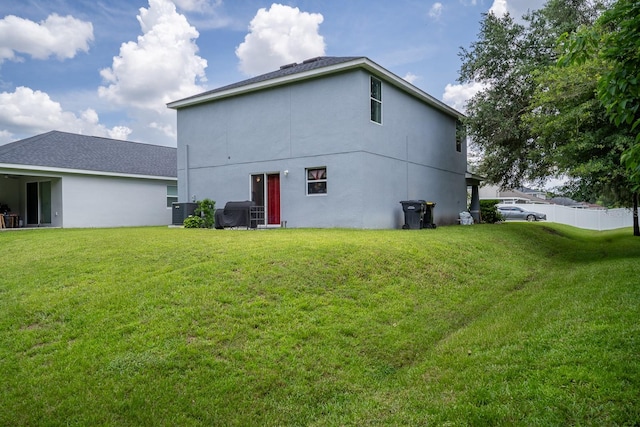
{"x":108,"y":67}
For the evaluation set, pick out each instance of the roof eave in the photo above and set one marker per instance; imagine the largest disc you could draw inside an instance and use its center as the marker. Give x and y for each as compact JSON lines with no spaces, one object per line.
{"x":410,"y":88}
{"x":49,"y":169}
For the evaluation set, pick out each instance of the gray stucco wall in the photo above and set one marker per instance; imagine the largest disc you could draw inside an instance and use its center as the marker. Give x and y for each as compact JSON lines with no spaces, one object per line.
{"x":325,"y":122}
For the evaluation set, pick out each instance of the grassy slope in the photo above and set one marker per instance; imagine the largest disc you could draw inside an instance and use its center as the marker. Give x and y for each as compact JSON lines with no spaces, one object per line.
{"x":511,"y":324}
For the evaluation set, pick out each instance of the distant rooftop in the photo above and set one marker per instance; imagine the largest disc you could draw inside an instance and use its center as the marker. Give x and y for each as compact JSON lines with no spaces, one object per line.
{"x":81,"y":152}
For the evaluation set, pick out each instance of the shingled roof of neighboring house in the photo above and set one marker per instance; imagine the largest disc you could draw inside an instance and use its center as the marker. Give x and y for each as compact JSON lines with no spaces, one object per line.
{"x":311,"y":68}
{"x":62,"y":150}
{"x":517,"y":194}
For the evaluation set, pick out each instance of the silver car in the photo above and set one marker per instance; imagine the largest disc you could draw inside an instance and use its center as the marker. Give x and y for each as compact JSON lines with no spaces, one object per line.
{"x":516,"y":212}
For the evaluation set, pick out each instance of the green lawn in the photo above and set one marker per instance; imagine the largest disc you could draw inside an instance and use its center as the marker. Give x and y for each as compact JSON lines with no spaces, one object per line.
{"x":510,"y":324}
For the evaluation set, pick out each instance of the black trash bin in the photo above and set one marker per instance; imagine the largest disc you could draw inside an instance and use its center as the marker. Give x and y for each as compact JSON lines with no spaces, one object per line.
{"x":427,"y":218}
{"x":413,"y":213}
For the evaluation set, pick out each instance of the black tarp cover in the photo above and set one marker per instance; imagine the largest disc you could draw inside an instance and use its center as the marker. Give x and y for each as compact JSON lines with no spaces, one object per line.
{"x":234,"y":214}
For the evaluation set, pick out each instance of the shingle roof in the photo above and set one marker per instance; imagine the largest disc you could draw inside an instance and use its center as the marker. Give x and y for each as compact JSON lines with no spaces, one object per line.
{"x":313,"y":68}
{"x":513,"y":193}
{"x":285,"y":70}
{"x":80,"y":152}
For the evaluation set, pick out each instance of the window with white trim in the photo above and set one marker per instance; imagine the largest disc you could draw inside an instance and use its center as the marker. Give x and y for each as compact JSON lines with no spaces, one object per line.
{"x":172,"y":195}
{"x":316,"y":181}
{"x":376,"y":100}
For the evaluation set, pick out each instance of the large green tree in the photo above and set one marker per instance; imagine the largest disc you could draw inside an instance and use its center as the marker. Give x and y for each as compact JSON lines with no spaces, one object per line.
{"x":568,"y":123}
{"x":614,"y":43}
{"x":619,"y":88}
{"x":507,"y":58}
{"x":498,"y":60}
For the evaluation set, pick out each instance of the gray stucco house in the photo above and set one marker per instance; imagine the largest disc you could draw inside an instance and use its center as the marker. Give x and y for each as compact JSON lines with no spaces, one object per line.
{"x":61,"y":179}
{"x":329,"y":142}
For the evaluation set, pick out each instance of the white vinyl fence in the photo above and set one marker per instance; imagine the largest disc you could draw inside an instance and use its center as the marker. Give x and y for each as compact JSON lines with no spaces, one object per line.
{"x":591,"y":219}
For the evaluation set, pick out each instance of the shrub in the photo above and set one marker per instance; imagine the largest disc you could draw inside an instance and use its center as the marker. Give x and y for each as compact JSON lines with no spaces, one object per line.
{"x":489,"y":212}
{"x":205,"y":210}
{"x":193,"y":222}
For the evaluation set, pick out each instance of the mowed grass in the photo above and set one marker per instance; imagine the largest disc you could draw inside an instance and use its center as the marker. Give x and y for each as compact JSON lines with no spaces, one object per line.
{"x":511,"y":324}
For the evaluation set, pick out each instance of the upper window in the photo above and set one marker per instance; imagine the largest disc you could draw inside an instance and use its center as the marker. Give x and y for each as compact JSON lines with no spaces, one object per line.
{"x":316,"y":181}
{"x":172,"y":194}
{"x":461,"y":135}
{"x":376,"y":100}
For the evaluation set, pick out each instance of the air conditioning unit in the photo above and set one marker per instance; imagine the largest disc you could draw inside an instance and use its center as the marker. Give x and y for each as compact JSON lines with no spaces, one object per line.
{"x":181,"y":211}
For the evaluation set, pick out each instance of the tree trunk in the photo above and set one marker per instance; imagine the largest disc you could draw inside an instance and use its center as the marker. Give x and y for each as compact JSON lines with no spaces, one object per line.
{"x":636,"y":227}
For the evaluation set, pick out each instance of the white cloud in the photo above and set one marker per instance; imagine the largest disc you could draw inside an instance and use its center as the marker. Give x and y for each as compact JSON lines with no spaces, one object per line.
{"x":205,"y":14}
{"x":457,"y":95}
{"x":161,"y":66}
{"x":90,"y":116}
{"x":167,"y":130}
{"x":59,"y":36}
{"x":499,"y":8}
{"x":119,"y":132}
{"x":197,"y":5}
{"x":410,"y":77}
{"x":516,"y":8}
{"x":30,"y":112}
{"x":154,"y":128}
{"x":436,"y":10}
{"x":278,"y":36}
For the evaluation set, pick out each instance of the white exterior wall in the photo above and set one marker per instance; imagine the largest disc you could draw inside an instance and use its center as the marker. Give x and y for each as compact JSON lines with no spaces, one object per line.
{"x":95,"y":201}
{"x":325,"y":122}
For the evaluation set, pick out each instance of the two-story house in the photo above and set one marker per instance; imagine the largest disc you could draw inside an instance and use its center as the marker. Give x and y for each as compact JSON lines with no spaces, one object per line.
{"x":329,"y":142}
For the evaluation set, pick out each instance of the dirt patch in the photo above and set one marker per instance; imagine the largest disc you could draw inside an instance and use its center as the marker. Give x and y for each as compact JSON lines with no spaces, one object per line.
{"x":552,"y":231}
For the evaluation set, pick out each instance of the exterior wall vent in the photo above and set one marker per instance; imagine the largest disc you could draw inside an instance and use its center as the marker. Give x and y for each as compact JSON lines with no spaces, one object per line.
{"x":284,"y":67}
{"x":310,"y":60}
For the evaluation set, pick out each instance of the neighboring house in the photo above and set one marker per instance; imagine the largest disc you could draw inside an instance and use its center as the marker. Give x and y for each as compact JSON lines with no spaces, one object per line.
{"x":566,"y":201}
{"x":524,"y":195}
{"x":513,"y":196}
{"x":329,"y":142}
{"x":67,"y":180}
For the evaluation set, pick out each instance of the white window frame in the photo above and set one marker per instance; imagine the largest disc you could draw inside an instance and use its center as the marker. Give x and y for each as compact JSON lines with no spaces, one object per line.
{"x":320,"y":180}
{"x":377,"y":102}
{"x":170,"y":197}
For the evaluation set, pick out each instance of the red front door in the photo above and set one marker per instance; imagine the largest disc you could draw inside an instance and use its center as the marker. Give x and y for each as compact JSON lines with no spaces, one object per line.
{"x":273,"y":198}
